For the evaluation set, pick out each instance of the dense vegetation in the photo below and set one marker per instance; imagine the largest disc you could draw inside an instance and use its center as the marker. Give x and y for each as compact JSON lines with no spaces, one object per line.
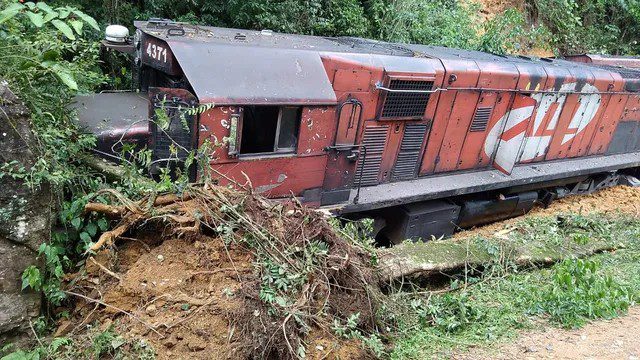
{"x":568,"y":26}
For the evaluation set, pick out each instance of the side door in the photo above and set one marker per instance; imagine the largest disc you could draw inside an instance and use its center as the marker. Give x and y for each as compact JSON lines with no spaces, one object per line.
{"x":344,"y":153}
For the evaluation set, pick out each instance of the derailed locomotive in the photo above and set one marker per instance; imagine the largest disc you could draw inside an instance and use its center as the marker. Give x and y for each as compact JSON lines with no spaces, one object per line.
{"x":423,"y":139}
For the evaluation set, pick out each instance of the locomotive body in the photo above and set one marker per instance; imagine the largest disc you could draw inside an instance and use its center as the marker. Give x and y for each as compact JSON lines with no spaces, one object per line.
{"x":423,"y":139}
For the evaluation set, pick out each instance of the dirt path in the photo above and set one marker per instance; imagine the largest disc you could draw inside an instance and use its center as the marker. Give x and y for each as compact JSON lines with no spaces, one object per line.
{"x":606,"y":339}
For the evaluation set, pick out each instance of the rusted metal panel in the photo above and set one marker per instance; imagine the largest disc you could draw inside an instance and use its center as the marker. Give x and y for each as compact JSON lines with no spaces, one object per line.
{"x":157,"y":54}
{"x":614,"y":60}
{"x":608,"y":124}
{"x":589,"y":112}
{"x":353,"y":80}
{"x":275,"y":177}
{"x":632,"y":109}
{"x":566,"y":126}
{"x":458,"y":73}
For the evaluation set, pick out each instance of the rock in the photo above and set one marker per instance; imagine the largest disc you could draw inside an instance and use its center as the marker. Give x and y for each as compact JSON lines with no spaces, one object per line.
{"x":196,"y":345}
{"x":25,"y":219}
{"x":170,"y":342}
{"x":151,"y":310}
{"x":64,"y":327}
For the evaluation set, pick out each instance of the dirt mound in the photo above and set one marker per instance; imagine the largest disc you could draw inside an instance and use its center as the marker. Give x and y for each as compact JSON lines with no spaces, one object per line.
{"x":222,"y":274}
{"x":624,"y":199}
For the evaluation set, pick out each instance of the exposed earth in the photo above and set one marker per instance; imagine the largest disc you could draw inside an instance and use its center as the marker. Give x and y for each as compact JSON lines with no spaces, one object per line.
{"x":604,"y":339}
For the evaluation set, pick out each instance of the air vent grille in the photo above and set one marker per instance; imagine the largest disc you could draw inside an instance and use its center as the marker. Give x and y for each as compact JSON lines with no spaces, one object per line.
{"x":374,"y":140}
{"x":407,"y":161}
{"x":481,"y":119}
{"x":406,"y":104}
{"x":174,"y":135}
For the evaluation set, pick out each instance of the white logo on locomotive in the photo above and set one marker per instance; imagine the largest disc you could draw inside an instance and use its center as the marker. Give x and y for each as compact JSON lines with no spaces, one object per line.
{"x":513,"y":140}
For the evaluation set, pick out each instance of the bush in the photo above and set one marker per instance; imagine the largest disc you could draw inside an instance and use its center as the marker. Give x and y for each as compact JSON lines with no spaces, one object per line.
{"x":580,"y":291}
{"x":601,"y":26}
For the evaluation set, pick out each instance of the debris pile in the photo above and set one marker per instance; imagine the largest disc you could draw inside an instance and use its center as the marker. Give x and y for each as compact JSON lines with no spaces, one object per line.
{"x":222,"y":273}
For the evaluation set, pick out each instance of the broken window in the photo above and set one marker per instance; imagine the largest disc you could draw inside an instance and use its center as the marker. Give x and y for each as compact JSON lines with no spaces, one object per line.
{"x":269,"y":129}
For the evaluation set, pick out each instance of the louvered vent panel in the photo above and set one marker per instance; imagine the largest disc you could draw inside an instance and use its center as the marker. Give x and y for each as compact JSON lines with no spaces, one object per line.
{"x":374,"y":139}
{"x":407,"y":161}
{"x":481,"y":119}
{"x":406,"y":104}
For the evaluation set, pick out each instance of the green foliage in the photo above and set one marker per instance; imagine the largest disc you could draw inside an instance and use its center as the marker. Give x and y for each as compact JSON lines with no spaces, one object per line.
{"x":497,"y":305}
{"x":63,"y":251}
{"x":509,"y":33}
{"x":449,"y":23}
{"x":600,"y":26}
{"x":581,"y":291}
{"x":46,"y":65}
{"x":95,"y":345}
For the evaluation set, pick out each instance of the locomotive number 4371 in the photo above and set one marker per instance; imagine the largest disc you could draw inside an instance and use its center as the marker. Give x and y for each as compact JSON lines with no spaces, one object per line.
{"x":157,"y":52}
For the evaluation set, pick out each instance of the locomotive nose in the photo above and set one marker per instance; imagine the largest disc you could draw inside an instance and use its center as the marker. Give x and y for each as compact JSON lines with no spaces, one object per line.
{"x":115,"y":119}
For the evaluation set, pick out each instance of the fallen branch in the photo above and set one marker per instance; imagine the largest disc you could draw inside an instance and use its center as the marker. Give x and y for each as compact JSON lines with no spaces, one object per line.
{"x":104,"y":268}
{"x":108,"y":210}
{"x":427,"y":259}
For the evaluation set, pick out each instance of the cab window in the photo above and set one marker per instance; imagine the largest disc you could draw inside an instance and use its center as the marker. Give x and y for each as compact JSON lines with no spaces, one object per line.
{"x":269,"y":129}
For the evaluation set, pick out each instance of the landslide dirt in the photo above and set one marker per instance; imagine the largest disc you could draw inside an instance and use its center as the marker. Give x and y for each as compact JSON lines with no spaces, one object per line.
{"x":174,"y":280}
{"x":624,"y":199}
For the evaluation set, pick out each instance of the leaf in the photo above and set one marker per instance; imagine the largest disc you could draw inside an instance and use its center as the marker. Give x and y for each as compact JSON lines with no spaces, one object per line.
{"x":50,"y":55}
{"x":63,"y":12}
{"x":10,"y":11}
{"x":36,"y":18}
{"x":12,"y":7}
{"x":76,"y":222}
{"x":77,"y":26}
{"x":50,"y":16}
{"x":46,"y":8}
{"x":30,"y":5}
{"x":103,"y":224}
{"x":65,"y":29}
{"x":91,"y":228}
{"x":88,"y":19}
{"x":85,"y":237}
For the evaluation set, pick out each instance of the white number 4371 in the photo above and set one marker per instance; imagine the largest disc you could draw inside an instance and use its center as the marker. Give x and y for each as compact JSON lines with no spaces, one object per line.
{"x":157,"y":52}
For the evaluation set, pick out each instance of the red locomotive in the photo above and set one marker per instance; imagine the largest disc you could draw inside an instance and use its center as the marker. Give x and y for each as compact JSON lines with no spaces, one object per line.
{"x":423,"y":139}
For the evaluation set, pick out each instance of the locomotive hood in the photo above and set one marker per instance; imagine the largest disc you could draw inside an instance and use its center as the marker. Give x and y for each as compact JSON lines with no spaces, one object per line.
{"x":236,"y":67}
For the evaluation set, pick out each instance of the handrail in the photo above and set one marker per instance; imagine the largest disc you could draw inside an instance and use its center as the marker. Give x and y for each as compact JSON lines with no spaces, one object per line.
{"x":380,"y":87}
{"x":364,"y":158}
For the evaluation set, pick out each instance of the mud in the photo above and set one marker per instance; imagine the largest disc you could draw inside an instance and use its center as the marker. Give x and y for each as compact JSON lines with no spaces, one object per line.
{"x":177,"y":283}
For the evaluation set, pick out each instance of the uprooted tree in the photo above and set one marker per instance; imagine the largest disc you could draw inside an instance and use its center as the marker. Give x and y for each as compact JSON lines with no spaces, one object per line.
{"x":271,"y":278}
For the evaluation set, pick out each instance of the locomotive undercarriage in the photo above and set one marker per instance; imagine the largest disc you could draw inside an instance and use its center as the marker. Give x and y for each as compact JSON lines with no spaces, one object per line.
{"x":439,"y":218}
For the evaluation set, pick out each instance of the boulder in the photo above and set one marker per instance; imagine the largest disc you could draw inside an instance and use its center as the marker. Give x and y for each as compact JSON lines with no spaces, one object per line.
{"x":25,"y":219}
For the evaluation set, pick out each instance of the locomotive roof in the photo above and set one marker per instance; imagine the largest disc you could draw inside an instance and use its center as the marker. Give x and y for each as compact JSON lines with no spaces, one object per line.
{"x":269,"y":39}
{"x":268,"y":67}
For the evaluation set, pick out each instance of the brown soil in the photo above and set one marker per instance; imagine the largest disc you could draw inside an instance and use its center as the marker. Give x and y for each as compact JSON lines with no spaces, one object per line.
{"x":190,"y":294}
{"x":491,"y":8}
{"x":624,"y":199}
{"x":607,"y":339}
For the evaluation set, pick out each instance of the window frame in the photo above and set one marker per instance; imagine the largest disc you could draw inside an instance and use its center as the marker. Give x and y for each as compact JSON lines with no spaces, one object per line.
{"x":276,"y":152}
